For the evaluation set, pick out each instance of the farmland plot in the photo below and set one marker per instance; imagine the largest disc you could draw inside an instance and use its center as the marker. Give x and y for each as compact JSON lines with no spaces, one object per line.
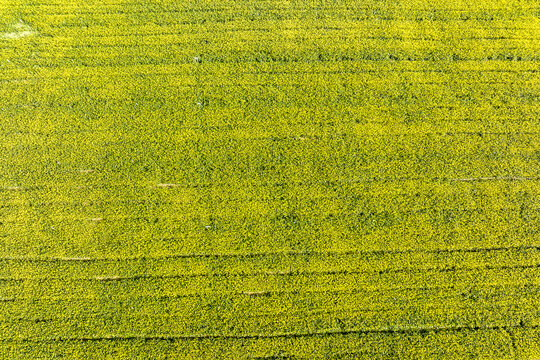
{"x":269,"y":179}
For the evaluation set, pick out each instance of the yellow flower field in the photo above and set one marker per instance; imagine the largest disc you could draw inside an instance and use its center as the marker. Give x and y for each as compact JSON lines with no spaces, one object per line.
{"x":265,"y":179}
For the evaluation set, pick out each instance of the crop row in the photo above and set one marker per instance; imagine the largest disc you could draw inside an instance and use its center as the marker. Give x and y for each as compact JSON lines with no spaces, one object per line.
{"x":271,"y":286}
{"x":435,"y":344}
{"x":273,"y":262}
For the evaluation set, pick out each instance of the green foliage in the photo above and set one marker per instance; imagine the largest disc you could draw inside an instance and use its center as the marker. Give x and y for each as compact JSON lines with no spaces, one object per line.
{"x":269,"y":179}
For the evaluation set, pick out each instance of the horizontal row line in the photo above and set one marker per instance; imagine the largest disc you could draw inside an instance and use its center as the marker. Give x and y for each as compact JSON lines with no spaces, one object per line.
{"x":301,"y":137}
{"x":275,"y":293}
{"x":306,"y":84}
{"x":337,"y":72}
{"x":161,"y":203}
{"x":141,"y":36}
{"x":300,"y":183}
{"x":351,"y":214}
{"x":130,"y":29}
{"x":457,"y":305}
{"x":390,"y":330}
{"x":277,"y":273}
{"x":235,"y":126}
{"x":245,"y":113}
{"x":251,"y":125}
{"x":347,"y":60}
{"x":121,"y":10}
{"x":279,"y":254}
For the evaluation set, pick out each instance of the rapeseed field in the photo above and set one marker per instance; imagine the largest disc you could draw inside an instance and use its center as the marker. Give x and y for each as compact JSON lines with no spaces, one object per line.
{"x":265,"y":179}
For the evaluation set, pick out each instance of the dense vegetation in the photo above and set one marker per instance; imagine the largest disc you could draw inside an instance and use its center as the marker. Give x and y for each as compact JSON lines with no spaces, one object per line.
{"x":269,"y":179}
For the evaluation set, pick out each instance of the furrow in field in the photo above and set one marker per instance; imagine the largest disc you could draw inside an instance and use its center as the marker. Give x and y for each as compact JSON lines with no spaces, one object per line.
{"x":266,"y":285}
{"x":272,"y":273}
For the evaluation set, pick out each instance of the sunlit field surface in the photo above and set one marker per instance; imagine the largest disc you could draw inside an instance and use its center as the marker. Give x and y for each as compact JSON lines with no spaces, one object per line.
{"x":269,"y":179}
